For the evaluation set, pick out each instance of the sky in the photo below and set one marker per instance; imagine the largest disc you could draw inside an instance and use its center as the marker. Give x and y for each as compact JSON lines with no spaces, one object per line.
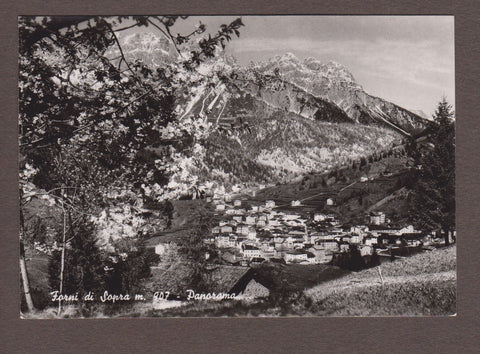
{"x":408,"y":60}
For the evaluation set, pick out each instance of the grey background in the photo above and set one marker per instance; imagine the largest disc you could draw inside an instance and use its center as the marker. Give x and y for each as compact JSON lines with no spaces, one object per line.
{"x":454,"y":334}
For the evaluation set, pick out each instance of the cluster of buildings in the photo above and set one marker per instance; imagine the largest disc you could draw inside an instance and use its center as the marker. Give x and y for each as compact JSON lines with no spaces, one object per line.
{"x":259,"y":233}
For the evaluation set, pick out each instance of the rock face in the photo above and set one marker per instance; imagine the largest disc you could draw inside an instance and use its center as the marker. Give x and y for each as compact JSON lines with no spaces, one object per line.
{"x":333,"y":82}
{"x":283,"y":117}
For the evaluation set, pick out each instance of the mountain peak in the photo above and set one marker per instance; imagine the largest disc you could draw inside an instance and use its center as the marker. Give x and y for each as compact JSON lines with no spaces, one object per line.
{"x":287,"y":57}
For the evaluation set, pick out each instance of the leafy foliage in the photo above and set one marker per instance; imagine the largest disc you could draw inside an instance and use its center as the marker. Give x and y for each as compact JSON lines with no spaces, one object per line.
{"x":83,"y":270}
{"x":89,"y":119}
{"x":434,"y":192}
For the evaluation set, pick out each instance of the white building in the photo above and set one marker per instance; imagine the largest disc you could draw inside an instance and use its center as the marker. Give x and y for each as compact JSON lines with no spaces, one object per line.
{"x":370,"y":240}
{"x":319,"y":217}
{"x":377,"y":218}
{"x":252,"y":234}
{"x":238,"y":218}
{"x":296,"y":256}
{"x":270,"y":204}
{"x":243,"y":229}
{"x":230,"y":212}
{"x":251,"y":251}
{"x":261,"y":223}
{"x":162,"y":247}
{"x":366,"y":251}
{"x":226,"y":229}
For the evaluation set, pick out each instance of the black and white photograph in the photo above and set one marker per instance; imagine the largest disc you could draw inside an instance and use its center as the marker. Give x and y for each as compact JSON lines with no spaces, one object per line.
{"x":236,"y":166}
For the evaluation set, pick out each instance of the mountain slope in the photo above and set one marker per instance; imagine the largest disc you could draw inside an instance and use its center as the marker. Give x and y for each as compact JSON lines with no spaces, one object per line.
{"x":333,"y":82}
{"x":275,"y":120}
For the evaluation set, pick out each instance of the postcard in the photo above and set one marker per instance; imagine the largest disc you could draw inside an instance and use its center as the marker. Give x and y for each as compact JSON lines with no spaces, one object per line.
{"x":237,"y":166}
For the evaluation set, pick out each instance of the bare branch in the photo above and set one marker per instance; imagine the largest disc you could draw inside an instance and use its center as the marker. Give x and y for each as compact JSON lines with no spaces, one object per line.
{"x":167,"y":36}
{"x":121,"y":50}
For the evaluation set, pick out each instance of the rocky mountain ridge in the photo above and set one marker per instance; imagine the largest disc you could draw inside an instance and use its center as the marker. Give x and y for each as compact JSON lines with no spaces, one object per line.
{"x":283,"y":117}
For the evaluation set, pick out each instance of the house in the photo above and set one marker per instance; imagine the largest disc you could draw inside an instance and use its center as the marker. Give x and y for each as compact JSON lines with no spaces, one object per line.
{"x":252,"y":234}
{"x":344,"y":247}
{"x":226,"y":229}
{"x":229,"y":257}
{"x":257,"y":260}
{"x":222,"y":241}
{"x":322,"y":255}
{"x":359,"y":229}
{"x":291,"y":217}
{"x":370,"y":240}
{"x":238,"y":218}
{"x":330,"y":245}
{"x":330,"y":201}
{"x":364,"y":179}
{"x":239,"y":211}
{"x":237,"y":280}
{"x":217,"y":196}
{"x":254,"y":208}
{"x":162,"y":248}
{"x":261,"y":223}
{"x":319,"y":217}
{"x":227,"y":198}
{"x":237,"y":202}
{"x":161,"y":244}
{"x":250,"y":251}
{"x":377,"y":230}
{"x":274,"y":222}
{"x":413,"y":239}
{"x":250,"y":220}
{"x":296,"y":256}
{"x":356,"y":239}
{"x":295,"y":203}
{"x":268,"y":247}
{"x":230,"y":212}
{"x":377,"y":218}
{"x":220,"y":207}
{"x":270,"y":204}
{"x":216,"y":230}
{"x":243,"y":229}
{"x":262,"y":217}
{"x":366,"y":250}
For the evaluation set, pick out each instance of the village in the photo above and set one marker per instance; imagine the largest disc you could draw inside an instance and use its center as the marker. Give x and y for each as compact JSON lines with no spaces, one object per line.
{"x":248,"y":234}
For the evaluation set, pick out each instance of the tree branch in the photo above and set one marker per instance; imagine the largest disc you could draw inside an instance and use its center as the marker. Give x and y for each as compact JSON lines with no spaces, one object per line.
{"x":121,"y":50}
{"x":168,"y":37}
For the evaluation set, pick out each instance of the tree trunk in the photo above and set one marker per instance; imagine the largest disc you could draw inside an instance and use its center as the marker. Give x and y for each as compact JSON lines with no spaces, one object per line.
{"x":23,"y":266}
{"x":447,"y":239}
{"x":26,"y":286}
{"x":62,"y":261}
